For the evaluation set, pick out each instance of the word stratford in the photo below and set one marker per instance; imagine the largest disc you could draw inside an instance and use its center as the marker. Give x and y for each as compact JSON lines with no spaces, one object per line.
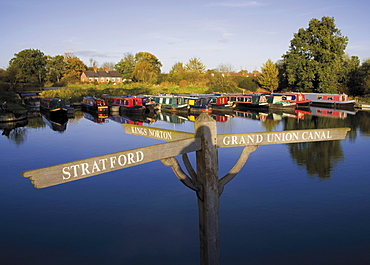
{"x":281,"y":137}
{"x":101,"y":165}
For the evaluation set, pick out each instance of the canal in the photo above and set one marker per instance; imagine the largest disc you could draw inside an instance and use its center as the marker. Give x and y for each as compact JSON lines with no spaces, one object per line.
{"x":303,"y":203}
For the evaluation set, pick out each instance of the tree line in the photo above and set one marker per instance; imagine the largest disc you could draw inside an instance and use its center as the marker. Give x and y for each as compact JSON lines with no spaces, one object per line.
{"x":315,"y":62}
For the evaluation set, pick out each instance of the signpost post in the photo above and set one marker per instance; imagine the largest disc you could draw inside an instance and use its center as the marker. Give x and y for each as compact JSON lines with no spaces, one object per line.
{"x":204,"y":180}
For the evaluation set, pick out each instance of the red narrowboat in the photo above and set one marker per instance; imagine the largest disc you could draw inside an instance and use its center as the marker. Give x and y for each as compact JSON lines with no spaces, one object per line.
{"x":94,"y":104}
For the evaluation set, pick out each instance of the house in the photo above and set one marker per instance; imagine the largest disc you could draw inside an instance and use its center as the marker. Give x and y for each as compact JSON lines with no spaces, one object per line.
{"x":101,"y":77}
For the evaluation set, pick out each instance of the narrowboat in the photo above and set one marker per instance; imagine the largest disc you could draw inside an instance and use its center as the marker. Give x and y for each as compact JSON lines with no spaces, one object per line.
{"x":334,"y":101}
{"x":54,"y":107}
{"x":171,"y":103}
{"x":94,"y":104}
{"x":277,"y":103}
{"x":149,"y":103}
{"x":251,"y":100}
{"x":31,"y":100}
{"x":221,"y":104}
{"x":297,"y":98}
{"x":198,"y":104}
{"x":125,"y":104}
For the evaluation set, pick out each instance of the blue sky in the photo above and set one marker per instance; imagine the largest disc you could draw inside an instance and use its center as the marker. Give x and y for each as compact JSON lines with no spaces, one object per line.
{"x":242,"y":34}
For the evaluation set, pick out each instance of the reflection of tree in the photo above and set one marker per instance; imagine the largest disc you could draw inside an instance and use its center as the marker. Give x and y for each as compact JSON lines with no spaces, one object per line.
{"x":18,"y":135}
{"x":319,"y":158}
{"x":270,"y":125}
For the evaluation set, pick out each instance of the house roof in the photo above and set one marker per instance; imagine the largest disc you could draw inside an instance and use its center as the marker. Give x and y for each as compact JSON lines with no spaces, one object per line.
{"x":102,"y":74}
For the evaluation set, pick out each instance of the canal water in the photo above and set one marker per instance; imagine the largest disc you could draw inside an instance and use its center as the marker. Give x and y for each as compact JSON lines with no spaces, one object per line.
{"x":306,"y":203}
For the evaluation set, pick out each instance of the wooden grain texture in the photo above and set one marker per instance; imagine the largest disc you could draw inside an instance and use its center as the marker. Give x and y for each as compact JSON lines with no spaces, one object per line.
{"x":66,"y":172}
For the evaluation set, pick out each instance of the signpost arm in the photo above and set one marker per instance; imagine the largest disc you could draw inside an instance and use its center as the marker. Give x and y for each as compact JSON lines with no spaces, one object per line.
{"x":181,"y":175}
{"x":207,"y":176}
{"x":237,"y":167}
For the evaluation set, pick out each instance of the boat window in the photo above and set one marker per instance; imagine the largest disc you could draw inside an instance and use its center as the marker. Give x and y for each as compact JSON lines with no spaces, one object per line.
{"x":319,"y":97}
{"x":330,"y":98}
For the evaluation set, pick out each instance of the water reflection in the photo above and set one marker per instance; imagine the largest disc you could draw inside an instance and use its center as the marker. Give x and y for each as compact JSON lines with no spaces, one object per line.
{"x":14,"y":131}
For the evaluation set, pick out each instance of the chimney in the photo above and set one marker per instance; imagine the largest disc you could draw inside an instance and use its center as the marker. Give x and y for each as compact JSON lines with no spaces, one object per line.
{"x":106,"y":69}
{"x":95,"y":69}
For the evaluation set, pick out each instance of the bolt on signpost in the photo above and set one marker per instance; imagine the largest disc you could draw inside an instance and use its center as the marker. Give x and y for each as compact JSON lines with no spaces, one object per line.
{"x":204,"y":180}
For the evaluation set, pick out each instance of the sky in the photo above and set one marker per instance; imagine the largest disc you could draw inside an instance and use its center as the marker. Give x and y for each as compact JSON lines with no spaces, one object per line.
{"x":241,"y":34}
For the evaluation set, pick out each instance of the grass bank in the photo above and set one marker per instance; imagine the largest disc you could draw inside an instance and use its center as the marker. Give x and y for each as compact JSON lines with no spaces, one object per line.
{"x":75,"y":94}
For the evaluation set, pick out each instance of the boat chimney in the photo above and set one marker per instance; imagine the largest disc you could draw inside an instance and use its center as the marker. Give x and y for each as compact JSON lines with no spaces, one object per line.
{"x":106,"y":69}
{"x":95,"y":69}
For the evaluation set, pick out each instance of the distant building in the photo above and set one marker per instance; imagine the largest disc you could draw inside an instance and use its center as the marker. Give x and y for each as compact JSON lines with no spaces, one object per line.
{"x":101,"y":77}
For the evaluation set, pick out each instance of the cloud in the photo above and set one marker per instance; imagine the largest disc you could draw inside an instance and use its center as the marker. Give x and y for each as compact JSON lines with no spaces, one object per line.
{"x":226,"y":37}
{"x":236,"y":4}
{"x":96,"y":54}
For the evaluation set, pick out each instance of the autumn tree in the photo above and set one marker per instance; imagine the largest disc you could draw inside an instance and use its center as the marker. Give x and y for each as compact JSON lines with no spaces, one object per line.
{"x":269,"y":77}
{"x":73,"y":68}
{"x":314,"y":58}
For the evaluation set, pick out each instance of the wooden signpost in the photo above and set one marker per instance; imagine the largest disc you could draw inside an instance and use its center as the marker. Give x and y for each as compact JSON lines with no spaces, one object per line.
{"x":204,"y":180}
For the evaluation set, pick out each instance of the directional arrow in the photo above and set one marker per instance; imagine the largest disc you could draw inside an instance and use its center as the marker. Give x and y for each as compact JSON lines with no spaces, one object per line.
{"x":62,"y":173}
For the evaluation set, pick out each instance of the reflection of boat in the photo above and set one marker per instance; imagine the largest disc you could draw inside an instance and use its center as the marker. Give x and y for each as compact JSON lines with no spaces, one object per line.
{"x":96,"y":117}
{"x":94,"y":104}
{"x":55,"y":107}
{"x":334,"y":113}
{"x":259,"y":115}
{"x":171,"y":103}
{"x":169,"y":117}
{"x":59,"y":125}
{"x":134,"y":118}
{"x":335,"y":101}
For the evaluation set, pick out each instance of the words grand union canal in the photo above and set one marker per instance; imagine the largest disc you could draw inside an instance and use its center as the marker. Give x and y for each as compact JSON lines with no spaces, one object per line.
{"x":302,"y":203}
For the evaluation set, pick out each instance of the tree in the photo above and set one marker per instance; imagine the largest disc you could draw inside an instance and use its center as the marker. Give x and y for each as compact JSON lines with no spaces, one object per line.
{"x":269,"y":77}
{"x":314,"y":58}
{"x":55,"y":67}
{"x":177,"y":73}
{"x":126,"y":65}
{"x":31,"y":64}
{"x":144,"y":72}
{"x":195,"y":65}
{"x":130,"y":69}
{"x":73,"y":69}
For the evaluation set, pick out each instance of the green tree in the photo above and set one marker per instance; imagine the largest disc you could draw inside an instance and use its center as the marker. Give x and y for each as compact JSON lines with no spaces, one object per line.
{"x":144,"y":72}
{"x":126,"y":66}
{"x":315,"y":56}
{"x":31,"y":64}
{"x":195,"y":65}
{"x":177,"y":73}
{"x":55,"y":67}
{"x":269,"y":77}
